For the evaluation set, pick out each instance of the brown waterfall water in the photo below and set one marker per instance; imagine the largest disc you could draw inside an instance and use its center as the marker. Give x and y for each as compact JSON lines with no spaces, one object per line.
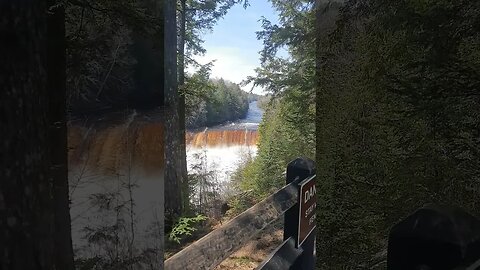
{"x":222,"y":138}
{"x":116,"y":177}
{"x":106,"y":150}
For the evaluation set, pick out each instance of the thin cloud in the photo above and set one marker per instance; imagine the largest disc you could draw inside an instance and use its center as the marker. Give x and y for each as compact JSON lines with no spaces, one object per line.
{"x":232,"y":64}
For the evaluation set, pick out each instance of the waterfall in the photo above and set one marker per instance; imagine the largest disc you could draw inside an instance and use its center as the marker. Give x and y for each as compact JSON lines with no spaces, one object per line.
{"x":121,"y":157}
{"x":225,"y":146}
{"x":222,"y":138}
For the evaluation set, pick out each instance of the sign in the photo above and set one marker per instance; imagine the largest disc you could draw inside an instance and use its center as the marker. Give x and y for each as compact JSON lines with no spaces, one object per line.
{"x":307,"y":213}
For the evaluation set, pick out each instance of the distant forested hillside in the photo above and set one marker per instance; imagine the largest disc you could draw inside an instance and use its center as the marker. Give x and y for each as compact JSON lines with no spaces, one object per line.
{"x":220,"y":101}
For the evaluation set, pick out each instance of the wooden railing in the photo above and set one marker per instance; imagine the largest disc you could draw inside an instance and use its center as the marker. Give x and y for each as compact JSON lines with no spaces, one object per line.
{"x":296,"y":201}
{"x":433,"y":237}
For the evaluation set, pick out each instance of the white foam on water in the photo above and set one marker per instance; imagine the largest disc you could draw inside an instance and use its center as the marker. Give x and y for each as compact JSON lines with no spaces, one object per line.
{"x":147,"y":206}
{"x":223,"y":160}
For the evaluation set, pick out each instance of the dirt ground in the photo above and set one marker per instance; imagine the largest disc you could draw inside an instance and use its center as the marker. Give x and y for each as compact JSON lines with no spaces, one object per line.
{"x":255,"y":251}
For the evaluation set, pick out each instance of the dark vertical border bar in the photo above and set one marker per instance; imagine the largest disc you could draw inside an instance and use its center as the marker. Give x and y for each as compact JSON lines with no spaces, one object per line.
{"x":56,"y":84}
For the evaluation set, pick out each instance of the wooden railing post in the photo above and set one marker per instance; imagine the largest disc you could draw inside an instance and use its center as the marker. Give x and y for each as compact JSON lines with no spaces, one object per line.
{"x":212,"y":249}
{"x":298,"y":170}
{"x":297,"y":252}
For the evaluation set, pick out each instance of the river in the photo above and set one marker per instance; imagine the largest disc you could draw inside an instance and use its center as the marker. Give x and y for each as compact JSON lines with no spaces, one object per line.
{"x":116,"y":174}
{"x":221,"y":149}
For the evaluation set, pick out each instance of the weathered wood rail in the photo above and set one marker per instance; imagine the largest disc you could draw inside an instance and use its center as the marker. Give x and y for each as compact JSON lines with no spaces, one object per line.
{"x":294,"y":253}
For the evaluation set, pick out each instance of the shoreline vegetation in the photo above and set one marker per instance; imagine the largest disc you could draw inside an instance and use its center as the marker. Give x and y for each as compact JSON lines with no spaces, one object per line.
{"x":221,"y":101}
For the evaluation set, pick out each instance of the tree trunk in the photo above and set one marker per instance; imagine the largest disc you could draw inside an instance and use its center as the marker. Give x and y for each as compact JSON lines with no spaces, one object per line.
{"x":173,"y":175}
{"x":56,"y":85}
{"x":327,"y":14}
{"x":27,"y":220}
{"x":181,"y":106}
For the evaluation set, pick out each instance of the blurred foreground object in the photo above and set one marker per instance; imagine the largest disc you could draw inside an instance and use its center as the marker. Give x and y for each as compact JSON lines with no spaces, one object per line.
{"x":435,"y":237}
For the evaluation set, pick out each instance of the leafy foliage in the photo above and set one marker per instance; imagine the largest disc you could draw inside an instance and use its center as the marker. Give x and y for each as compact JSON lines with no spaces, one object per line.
{"x":185,"y":227}
{"x":207,"y":102}
{"x":201,"y":17}
{"x":290,"y":114}
{"x":204,"y":186}
{"x":213,"y":101}
{"x":110,"y":236}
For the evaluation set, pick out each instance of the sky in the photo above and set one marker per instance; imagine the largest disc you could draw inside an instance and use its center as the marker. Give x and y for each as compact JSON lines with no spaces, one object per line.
{"x":233,"y":42}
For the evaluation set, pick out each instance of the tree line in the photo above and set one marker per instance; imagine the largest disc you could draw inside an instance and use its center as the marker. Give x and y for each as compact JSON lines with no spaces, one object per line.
{"x":221,"y":101}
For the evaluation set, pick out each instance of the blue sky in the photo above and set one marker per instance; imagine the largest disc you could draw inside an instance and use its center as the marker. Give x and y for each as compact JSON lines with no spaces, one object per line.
{"x":233,"y":42}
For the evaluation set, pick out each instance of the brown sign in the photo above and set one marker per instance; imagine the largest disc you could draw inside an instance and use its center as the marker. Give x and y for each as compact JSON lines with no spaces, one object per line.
{"x":307,"y":213}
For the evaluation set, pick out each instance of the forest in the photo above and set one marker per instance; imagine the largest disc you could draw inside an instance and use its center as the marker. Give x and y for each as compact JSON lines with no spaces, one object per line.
{"x":383,"y":95}
{"x":397,"y":120}
{"x":220,"y":102}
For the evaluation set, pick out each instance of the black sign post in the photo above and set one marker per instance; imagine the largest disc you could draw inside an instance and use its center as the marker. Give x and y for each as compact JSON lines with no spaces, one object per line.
{"x":300,"y":220}
{"x":297,"y":252}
